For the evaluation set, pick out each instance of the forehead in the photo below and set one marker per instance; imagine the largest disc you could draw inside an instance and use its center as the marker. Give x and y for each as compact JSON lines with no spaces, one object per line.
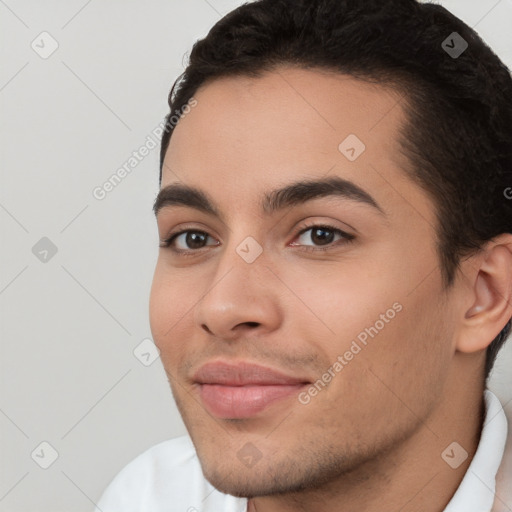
{"x":248,"y":135}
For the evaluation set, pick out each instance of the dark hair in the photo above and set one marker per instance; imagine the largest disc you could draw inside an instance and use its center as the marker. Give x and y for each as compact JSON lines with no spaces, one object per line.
{"x":458,"y":135}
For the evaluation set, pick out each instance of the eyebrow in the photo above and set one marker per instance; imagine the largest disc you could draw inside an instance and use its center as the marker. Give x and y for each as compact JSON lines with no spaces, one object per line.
{"x":294,"y":194}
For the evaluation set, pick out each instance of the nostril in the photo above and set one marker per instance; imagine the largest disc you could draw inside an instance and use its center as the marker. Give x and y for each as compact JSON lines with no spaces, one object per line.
{"x":252,"y":324}
{"x":205,"y":327}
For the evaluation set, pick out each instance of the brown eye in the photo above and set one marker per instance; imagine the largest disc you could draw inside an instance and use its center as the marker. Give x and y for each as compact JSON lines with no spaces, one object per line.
{"x":188,"y":241}
{"x":315,"y":236}
{"x":322,"y":236}
{"x":195,"y":239}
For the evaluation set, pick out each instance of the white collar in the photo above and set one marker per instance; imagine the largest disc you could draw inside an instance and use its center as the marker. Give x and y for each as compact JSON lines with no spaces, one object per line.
{"x":476,"y":492}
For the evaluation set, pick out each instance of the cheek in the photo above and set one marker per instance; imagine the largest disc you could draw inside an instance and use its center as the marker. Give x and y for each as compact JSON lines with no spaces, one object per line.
{"x":405,"y":355}
{"x":171,"y":299}
{"x":159,"y":305}
{"x":343,"y":301}
{"x":377,"y":310}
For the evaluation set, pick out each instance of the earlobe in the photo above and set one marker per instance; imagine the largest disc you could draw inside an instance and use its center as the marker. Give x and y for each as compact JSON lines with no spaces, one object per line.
{"x":492,"y":297}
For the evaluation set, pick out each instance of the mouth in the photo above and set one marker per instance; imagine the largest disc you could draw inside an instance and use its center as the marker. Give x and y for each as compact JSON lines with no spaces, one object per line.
{"x":243,"y":390}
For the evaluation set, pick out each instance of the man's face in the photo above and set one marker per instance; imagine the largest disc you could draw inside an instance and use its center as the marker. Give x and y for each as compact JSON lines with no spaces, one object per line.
{"x":368,"y":297}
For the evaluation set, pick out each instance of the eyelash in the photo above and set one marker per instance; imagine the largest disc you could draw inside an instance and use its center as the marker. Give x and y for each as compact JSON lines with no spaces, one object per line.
{"x":347,"y":238}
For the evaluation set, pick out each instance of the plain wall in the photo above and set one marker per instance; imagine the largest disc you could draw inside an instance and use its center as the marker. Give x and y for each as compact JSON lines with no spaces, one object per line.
{"x":70,"y":324}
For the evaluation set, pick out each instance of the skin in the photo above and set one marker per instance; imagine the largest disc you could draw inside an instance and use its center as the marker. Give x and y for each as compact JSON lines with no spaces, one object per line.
{"x":376,"y":433}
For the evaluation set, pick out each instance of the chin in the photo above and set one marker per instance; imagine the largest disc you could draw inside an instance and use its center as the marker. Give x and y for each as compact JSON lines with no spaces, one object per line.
{"x":244,"y":484}
{"x":270,"y":478}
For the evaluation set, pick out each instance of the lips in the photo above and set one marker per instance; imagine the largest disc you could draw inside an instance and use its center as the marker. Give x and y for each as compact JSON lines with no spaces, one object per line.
{"x":242,"y":390}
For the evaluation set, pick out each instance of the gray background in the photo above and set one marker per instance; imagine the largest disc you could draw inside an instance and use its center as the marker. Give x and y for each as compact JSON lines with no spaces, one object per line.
{"x":70,"y":323}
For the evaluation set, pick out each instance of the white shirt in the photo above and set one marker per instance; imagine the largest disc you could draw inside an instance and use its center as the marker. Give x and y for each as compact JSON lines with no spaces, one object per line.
{"x":168,"y":477}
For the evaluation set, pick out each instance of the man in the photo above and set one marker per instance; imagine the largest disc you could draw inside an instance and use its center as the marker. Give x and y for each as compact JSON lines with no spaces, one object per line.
{"x":334,"y":278}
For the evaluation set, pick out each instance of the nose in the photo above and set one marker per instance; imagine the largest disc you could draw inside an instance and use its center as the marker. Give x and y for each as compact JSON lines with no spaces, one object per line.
{"x":240,"y":299}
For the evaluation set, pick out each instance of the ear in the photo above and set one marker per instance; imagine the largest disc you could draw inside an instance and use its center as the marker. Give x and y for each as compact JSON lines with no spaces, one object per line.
{"x":490,"y":295}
